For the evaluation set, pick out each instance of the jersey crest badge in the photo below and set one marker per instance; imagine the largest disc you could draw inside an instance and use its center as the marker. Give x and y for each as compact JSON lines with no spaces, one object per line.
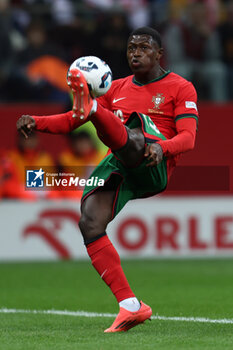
{"x":157,"y":100}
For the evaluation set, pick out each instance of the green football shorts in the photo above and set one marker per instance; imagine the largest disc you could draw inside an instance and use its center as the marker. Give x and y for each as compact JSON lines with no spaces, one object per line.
{"x":131,"y":183}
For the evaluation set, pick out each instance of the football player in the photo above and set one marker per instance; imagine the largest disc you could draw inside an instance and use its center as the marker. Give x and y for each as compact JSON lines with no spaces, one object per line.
{"x":147,"y":120}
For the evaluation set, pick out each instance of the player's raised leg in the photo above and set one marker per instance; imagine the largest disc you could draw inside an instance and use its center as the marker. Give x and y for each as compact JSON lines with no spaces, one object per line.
{"x":110,"y":129}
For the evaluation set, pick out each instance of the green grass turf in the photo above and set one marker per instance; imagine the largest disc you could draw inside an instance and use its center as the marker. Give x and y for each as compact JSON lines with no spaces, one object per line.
{"x":188,"y":288}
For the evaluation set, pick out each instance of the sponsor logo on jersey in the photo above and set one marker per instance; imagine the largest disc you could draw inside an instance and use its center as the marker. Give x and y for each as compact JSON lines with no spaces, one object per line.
{"x":190,"y":104}
{"x":115,"y":100}
{"x":157,"y":100}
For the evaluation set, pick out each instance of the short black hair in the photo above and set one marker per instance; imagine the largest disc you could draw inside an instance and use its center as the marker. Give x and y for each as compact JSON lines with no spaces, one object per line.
{"x":148,"y":31}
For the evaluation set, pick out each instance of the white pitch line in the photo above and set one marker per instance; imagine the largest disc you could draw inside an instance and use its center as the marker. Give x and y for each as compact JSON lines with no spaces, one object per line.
{"x":57,"y":312}
{"x":193,"y":319}
{"x":95,"y":314}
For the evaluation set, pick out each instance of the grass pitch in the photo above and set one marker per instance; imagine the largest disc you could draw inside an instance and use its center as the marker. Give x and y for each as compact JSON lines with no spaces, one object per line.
{"x":173,"y":288}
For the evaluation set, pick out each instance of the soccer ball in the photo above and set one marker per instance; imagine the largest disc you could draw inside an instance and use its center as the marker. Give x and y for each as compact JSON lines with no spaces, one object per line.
{"x":96,"y":72}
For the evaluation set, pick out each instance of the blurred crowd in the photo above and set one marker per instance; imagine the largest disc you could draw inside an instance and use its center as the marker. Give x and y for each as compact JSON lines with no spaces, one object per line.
{"x":78,"y":159}
{"x":41,"y":38}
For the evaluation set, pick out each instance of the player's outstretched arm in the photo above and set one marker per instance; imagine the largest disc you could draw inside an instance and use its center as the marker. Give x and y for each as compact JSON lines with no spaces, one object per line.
{"x":54,"y":124}
{"x":25,"y":125}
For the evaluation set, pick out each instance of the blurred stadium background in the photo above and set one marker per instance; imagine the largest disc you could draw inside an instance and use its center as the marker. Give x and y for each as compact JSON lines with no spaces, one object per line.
{"x":193,"y":218}
{"x":39,"y":39}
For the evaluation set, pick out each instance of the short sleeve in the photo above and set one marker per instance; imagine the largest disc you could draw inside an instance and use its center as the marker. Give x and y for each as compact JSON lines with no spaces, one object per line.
{"x":186,"y":102}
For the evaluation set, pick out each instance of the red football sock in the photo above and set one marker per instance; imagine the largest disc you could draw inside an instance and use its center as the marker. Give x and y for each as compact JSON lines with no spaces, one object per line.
{"x":110,"y":128}
{"x":106,"y":261}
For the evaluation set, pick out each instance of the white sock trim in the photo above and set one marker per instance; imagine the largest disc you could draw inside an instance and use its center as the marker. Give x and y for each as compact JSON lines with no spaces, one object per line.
{"x":130,"y":304}
{"x":94,"y":107}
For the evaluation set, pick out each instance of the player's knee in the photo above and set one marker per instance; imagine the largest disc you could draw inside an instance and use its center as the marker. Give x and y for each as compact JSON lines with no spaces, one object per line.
{"x":90,"y":226}
{"x":133,"y":153}
{"x":137,"y":140}
{"x":86,"y":224}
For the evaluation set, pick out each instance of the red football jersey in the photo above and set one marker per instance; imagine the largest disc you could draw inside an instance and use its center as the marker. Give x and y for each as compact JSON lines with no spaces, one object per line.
{"x":165,"y":100}
{"x":170,"y":101}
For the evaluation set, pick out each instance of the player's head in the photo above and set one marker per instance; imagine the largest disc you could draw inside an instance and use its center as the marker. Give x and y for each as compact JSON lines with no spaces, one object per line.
{"x":144,"y":49}
{"x":153,"y":33}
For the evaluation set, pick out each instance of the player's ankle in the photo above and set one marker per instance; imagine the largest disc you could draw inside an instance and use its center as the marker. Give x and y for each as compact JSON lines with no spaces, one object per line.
{"x":130,"y":304}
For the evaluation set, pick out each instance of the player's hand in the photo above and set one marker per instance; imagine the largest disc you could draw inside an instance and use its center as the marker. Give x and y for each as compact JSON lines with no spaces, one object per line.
{"x":25,"y":125}
{"x":154,"y":153}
